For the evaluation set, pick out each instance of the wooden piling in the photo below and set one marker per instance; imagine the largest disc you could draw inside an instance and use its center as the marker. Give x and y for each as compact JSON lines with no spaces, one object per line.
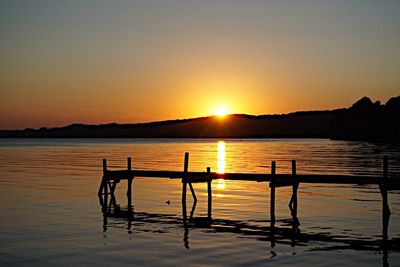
{"x":105,"y":185}
{"x":272,"y":198}
{"x":129,"y":191}
{"x":272,"y":185}
{"x":184,"y":210}
{"x":295,"y":186}
{"x":209,"y":194}
{"x":184,"y":185}
{"x":101,"y":188}
{"x":104,"y":166}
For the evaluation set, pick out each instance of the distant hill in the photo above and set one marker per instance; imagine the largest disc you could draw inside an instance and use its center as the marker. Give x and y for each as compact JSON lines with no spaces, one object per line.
{"x":364,"y":120}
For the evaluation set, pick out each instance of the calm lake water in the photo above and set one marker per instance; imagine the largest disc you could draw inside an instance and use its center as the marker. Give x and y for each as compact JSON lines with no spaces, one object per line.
{"x":50,"y":212}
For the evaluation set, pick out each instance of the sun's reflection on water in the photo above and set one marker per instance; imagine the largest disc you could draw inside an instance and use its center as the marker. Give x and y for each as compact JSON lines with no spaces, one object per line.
{"x":221,"y":184}
{"x":221,"y":157}
{"x":221,"y":163}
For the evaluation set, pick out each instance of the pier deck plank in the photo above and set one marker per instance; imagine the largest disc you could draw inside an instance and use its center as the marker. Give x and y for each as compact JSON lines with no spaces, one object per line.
{"x":258,"y":177}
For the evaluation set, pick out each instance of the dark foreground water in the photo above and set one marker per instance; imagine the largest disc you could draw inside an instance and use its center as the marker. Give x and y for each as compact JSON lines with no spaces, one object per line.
{"x":50,"y":213}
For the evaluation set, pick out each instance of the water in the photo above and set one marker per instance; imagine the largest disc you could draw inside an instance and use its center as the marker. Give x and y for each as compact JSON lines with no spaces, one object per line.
{"x":50,"y":213}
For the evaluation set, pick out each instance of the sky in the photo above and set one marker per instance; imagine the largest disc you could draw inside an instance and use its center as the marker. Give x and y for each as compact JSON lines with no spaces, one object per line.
{"x":64,"y":62}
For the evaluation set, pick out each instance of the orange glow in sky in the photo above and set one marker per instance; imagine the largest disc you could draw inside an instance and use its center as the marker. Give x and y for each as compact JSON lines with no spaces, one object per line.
{"x":141,"y":61}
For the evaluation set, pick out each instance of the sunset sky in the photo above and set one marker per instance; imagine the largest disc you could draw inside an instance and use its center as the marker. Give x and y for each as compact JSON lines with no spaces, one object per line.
{"x":64,"y":62}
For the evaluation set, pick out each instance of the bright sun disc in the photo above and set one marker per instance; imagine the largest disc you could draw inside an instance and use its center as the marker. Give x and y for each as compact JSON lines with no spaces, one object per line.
{"x":221,"y":111}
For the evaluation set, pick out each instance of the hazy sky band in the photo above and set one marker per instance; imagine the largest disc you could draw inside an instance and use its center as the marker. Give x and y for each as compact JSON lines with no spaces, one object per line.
{"x":131,"y":61}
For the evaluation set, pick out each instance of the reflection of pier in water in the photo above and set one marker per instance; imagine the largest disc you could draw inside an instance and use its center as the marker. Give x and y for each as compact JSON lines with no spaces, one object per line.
{"x":284,"y":232}
{"x":272,"y":233}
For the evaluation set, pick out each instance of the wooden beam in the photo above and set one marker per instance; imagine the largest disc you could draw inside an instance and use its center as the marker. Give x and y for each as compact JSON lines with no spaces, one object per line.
{"x":193,"y":192}
{"x":194,"y":177}
{"x":112,"y":185}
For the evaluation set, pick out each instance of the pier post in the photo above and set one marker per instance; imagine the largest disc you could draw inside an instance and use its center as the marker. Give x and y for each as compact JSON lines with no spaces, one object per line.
{"x":184,"y":210}
{"x":272,"y":200}
{"x":101,"y":188}
{"x":209,"y":193}
{"x":105,"y":185}
{"x":272,"y":203}
{"x":295,"y":186}
{"x":129,"y":191}
{"x":184,"y":186}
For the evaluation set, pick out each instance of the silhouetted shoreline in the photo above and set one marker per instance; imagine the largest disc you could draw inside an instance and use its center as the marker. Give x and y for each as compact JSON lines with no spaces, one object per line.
{"x":364,"y":120}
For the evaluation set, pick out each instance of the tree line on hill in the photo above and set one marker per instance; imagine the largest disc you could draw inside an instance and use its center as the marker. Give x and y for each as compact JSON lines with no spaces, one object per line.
{"x":364,"y":120}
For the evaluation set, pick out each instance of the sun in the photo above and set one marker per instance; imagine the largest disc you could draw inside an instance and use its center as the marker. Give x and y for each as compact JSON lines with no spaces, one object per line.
{"x":221,"y":111}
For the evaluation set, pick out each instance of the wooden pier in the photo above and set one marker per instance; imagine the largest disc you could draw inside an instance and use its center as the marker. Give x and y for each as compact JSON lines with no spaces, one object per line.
{"x":111,"y":178}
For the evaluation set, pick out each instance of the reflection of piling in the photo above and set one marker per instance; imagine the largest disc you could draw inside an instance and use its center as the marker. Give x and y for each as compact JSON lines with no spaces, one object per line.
{"x":385,"y":206}
{"x":385,"y":211}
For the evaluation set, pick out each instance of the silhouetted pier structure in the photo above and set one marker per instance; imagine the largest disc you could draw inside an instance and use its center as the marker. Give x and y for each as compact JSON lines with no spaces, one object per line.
{"x":111,"y":178}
